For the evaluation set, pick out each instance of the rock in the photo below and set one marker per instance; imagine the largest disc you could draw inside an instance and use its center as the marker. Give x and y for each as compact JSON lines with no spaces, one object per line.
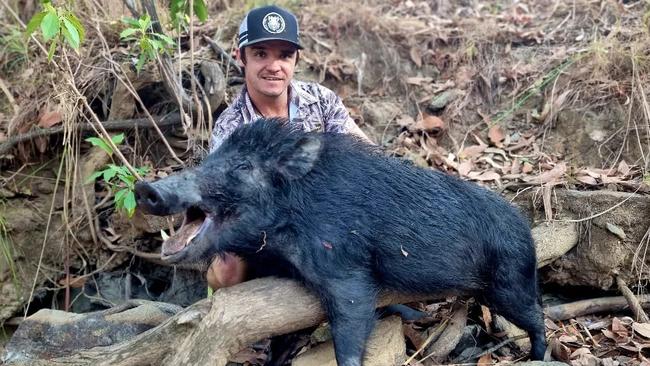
{"x":553,"y":240}
{"x":441,"y":100}
{"x":386,"y":347}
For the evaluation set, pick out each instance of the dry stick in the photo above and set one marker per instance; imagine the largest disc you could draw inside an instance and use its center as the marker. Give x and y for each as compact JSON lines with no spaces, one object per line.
{"x":47,"y":230}
{"x":220,"y":51}
{"x":639,"y":314}
{"x":10,"y":97}
{"x":491,"y":349}
{"x":116,"y":125}
{"x":70,"y":80}
{"x":129,"y":86}
{"x":153,"y":257}
{"x":434,"y":335}
{"x":586,"y":307}
{"x":131,"y":89}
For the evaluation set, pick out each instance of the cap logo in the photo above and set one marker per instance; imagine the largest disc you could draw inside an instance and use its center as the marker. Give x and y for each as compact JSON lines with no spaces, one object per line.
{"x":273,"y":23}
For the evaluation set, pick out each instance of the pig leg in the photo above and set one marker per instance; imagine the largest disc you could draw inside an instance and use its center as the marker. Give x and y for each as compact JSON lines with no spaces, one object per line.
{"x":350,"y":306}
{"x":515,"y":296}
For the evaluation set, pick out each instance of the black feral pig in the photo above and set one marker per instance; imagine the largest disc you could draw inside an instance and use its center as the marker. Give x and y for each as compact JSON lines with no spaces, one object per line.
{"x":347,"y":221}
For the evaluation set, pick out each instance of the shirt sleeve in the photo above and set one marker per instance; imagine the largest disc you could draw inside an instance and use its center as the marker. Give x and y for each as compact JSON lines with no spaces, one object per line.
{"x":336,"y":117}
{"x":225,"y":124}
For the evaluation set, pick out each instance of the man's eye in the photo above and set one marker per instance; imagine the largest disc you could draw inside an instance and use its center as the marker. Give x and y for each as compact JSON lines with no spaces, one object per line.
{"x":259,"y":54}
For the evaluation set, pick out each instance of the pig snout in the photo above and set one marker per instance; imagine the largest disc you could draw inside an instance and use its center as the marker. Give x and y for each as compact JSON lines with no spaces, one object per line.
{"x":168,"y":196}
{"x":152,"y":200}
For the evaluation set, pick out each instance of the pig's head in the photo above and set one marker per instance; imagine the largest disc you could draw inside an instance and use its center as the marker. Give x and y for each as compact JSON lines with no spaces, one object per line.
{"x":233,"y":189}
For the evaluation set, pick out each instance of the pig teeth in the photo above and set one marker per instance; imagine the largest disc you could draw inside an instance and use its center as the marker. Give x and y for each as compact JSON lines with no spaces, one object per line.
{"x":194,"y":234}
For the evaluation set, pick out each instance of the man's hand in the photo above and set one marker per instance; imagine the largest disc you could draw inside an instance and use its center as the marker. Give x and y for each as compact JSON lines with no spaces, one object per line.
{"x":225,"y":271}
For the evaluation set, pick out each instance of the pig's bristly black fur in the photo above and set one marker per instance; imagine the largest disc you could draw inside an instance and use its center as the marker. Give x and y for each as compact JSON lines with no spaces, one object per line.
{"x":347,"y":220}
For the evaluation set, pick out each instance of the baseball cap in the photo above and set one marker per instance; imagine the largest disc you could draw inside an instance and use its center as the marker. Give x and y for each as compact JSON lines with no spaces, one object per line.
{"x":269,"y":23}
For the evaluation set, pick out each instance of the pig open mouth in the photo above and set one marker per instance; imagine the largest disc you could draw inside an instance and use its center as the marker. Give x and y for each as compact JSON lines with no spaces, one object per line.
{"x":195,"y":223}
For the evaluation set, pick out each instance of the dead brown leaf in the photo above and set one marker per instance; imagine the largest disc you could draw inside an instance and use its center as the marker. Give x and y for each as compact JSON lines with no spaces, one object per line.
{"x":75,"y":281}
{"x":49,"y":119}
{"x":465,"y":167}
{"x":587,"y":179}
{"x":416,"y":80}
{"x":471,"y":152}
{"x":552,"y":176}
{"x":485,"y":176}
{"x":642,"y":329}
{"x":527,"y":168}
{"x":431,"y":124}
{"x":516,"y":167}
{"x":496,"y":135}
{"x":487,"y":318}
{"x":416,"y":56}
{"x":405,"y":120}
{"x":559,"y":351}
{"x":413,"y":335}
{"x":485,"y":360}
{"x":580,"y":352}
{"x":565,"y":338}
{"x":623,"y":168}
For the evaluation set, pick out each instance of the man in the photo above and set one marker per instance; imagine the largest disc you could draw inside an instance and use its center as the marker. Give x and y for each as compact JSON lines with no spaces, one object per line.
{"x":268,"y":50}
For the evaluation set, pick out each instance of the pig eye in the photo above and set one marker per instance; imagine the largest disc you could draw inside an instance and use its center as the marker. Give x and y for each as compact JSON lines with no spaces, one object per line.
{"x":244,"y":166}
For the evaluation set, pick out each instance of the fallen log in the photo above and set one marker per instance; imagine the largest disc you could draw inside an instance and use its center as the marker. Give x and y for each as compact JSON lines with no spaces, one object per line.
{"x":592,"y":306}
{"x":209,"y":332}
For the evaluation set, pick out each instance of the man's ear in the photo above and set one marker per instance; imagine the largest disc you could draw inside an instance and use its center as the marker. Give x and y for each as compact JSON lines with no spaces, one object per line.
{"x":297,"y":161}
{"x":240,"y":57}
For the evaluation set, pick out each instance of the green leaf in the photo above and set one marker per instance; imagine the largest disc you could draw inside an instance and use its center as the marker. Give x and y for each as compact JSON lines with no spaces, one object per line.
{"x":119,"y":196}
{"x":47,"y":5}
{"x":200,"y":10}
{"x":142,"y":170}
{"x":129,"y":203}
{"x":118,"y":139}
{"x":78,"y":26}
{"x":93,"y":177}
{"x":131,"y":21}
{"x":157,"y":45}
{"x":128,"y":179}
{"x":109,"y":174}
{"x":128,"y":32}
{"x":96,"y":141}
{"x":34,"y":23}
{"x":50,"y":52}
{"x":141,"y":60}
{"x":72,"y":36}
{"x":144,"y":22}
{"x":166,"y":39}
{"x":50,"y":25}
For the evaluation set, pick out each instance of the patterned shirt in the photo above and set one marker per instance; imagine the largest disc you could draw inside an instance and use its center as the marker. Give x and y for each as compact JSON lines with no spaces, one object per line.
{"x":312,"y":107}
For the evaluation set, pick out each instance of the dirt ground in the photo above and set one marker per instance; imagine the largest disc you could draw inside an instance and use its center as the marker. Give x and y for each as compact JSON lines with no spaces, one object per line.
{"x":513,"y":95}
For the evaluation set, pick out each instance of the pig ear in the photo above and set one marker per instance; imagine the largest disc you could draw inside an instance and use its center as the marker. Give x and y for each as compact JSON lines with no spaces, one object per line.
{"x":299,"y":160}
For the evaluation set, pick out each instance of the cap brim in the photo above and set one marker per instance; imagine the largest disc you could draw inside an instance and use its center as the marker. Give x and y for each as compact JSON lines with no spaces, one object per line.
{"x":272,"y":39}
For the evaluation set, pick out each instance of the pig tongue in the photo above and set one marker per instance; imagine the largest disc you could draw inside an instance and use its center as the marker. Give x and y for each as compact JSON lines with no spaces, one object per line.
{"x":183,"y":236}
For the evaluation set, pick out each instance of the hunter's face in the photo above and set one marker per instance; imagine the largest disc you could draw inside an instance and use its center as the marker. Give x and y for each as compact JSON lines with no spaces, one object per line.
{"x":269,"y":67}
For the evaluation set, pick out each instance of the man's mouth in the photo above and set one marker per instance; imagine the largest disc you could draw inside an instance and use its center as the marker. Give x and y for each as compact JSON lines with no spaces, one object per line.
{"x":271,"y":78}
{"x":195,"y":223}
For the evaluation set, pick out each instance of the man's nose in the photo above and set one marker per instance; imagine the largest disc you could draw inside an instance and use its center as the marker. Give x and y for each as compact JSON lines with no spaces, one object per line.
{"x":274,"y":65}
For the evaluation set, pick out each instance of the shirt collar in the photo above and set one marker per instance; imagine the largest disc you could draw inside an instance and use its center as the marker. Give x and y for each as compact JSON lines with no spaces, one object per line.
{"x":299,"y":98}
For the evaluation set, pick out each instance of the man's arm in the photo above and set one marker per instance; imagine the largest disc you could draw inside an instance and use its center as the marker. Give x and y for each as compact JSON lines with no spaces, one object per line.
{"x":336,"y":117}
{"x":227,"y":122}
